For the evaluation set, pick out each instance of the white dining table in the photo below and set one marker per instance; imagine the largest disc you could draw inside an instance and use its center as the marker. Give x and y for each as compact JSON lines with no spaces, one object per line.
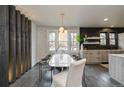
{"x":61,"y":60}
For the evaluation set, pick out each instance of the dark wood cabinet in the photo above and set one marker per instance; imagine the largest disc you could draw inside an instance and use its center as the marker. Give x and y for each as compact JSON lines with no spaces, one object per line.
{"x":12,"y":44}
{"x":18,"y":44}
{"x":108,"y":33}
{"x":15,"y":44}
{"x":110,"y":40}
{"x":23,"y":43}
{"x":4,"y":45}
{"x":29,"y":43}
{"x":26,"y":43}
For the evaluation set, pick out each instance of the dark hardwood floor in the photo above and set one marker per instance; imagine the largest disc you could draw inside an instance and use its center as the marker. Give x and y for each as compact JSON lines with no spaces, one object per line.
{"x":98,"y":76}
{"x":95,"y":76}
{"x":29,"y":79}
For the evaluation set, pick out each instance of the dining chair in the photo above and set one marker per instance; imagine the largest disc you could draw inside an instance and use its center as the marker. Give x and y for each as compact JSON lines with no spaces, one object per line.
{"x":72,"y":77}
{"x":44,"y":67}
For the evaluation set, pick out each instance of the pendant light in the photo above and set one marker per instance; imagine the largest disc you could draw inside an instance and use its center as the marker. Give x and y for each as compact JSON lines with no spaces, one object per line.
{"x":61,"y":29}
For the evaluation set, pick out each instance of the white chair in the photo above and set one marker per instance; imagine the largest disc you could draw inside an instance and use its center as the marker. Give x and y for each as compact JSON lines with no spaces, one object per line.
{"x":71,"y":78}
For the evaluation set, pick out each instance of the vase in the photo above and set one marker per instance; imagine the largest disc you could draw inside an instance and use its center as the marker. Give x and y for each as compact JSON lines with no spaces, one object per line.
{"x":81,"y":51}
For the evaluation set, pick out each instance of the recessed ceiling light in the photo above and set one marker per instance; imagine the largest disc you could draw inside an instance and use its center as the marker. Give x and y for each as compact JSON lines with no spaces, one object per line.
{"x":106,"y":19}
{"x":112,"y":26}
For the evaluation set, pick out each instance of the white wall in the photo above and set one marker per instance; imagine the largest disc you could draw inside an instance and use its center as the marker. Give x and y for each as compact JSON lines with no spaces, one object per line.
{"x":121,"y":40}
{"x":41,"y":46}
{"x":33,"y":43}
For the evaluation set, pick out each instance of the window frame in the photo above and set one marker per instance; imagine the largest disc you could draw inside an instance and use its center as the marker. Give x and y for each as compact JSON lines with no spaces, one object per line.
{"x":52,"y":41}
{"x":48,"y":48}
{"x":73,"y":42}
{"x":57,"y":43}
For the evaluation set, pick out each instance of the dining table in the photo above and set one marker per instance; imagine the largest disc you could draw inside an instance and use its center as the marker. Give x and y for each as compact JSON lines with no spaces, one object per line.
{"x":61,"y":60}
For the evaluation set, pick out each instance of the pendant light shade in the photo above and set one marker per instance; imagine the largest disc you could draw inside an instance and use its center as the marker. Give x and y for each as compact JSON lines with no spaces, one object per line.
{"x":61,"y":29}
{"x":65,"y":31}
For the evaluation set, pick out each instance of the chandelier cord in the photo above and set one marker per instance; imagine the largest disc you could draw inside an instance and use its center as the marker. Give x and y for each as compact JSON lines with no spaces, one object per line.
{"x":62,"y":18}
{"x":61,"y":29}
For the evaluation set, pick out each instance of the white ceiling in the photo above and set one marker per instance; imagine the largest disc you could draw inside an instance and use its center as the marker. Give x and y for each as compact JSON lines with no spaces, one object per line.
{"x":75,"y":15}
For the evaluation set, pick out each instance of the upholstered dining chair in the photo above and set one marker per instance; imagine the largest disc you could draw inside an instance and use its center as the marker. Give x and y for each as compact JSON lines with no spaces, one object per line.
{"x":72,"y":77}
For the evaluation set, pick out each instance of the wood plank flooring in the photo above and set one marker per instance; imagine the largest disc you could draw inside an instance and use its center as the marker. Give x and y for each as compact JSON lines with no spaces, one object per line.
{"x":29,"y":79}
{"x":96,"y":76}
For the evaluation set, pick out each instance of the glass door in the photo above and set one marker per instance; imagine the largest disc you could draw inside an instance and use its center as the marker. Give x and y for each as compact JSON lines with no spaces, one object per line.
{"x":103,"y":39}
{"x":112,"y":40}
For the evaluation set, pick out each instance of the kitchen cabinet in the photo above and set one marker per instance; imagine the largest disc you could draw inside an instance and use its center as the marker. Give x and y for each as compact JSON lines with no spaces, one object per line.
{"x":99,"y":56}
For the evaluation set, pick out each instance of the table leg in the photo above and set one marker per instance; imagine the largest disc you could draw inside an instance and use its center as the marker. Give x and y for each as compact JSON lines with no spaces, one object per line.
{"x":84,"y":77}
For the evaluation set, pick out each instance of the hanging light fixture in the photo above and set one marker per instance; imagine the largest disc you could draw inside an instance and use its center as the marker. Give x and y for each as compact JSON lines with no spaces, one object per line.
{"x":62,"y":29}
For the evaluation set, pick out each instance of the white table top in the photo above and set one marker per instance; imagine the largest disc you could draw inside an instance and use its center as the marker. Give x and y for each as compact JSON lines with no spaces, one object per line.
{"x":61,"y":60}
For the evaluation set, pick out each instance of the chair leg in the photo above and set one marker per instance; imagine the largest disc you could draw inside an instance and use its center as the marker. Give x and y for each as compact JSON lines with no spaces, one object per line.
{"x":39,"y":73}
{"x":51,"y":76}
{"x":85,"y":83}
{"x":84,"y":77}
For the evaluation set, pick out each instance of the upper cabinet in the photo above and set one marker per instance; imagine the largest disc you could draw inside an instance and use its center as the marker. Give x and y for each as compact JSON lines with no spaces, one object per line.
{"x":108,"y":39}
{"x":101,"y":38}
{"x":15,"y":44}
{"x":112,"y":39}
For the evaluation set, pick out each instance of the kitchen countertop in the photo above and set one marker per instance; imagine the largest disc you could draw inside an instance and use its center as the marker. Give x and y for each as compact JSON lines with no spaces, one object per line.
{"x":117,"y":55}
{"x":105,"y":50}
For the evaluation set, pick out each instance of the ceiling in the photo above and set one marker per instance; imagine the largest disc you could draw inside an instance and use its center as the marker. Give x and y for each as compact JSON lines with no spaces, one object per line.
{"x":75,"y":15}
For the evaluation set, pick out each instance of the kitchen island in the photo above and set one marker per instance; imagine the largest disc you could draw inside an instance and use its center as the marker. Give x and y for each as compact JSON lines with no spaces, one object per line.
{"x":116,"y":67}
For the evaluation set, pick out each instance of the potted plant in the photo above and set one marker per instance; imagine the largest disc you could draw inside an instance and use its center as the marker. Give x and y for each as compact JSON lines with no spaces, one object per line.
{"x":81,"y":39}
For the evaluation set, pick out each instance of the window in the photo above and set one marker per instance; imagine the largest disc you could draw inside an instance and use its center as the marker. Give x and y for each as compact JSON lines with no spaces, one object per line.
{"x":51,"y":41}
{"x":74,"y":44}
{"x":63,"y":41}
{"x":112,"y":38}
{"x":102,"y":38}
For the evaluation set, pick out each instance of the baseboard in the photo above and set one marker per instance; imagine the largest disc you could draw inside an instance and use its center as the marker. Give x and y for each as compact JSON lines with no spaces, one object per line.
{"x":104,"y":62}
